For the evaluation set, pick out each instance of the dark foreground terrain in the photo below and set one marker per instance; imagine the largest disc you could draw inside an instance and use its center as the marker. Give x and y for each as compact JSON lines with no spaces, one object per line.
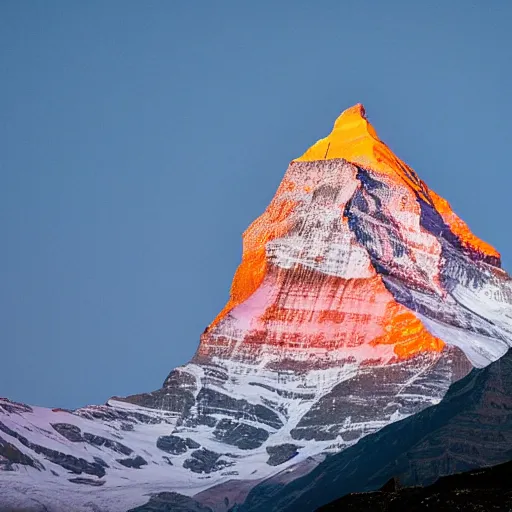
{"x":488,"y":489}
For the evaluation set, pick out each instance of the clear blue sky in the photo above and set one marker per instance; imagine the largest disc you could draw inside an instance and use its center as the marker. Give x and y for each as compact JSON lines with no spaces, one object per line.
{"x":139,"y":139}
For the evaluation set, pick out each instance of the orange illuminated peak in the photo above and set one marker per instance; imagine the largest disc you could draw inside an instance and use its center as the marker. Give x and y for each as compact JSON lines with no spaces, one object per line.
{"x":354,"y":139}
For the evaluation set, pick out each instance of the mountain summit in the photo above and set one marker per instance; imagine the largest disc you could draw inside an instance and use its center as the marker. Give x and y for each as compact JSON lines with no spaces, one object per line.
{"x":360,"y":298}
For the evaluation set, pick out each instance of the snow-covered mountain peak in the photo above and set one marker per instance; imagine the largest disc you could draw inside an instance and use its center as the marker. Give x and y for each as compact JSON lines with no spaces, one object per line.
{"x":359,"y":299}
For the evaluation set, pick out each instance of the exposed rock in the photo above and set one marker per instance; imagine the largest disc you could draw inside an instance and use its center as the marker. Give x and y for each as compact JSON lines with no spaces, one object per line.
{"x":172,"y":444}
{"x":70,"y":432}
{"x":176,"y":395}
{"x":101,"y":462}
{"x":180,"y":379}
{"x":74,"y":434}
{"x":87,"y":481}
{"x":214,"y":375}
{"x":376,"y":388}
{"x":191,"y":443}
{"x":205,"y":461}
{"x":14,"y":407}
{"x":284,"y":393}
{"x":281,"y":453}
{"x":212,"y":402}
{"x":167,"y":399}
{"x":171,"y":502}
{"x":10,"y":455}
{"x":135,"y":462}
{"x":110,"y":414}
{"x":73,"y":464}
{"x":245,"y":437}
{"x":202,"y":419}
{"x":107,"y":443}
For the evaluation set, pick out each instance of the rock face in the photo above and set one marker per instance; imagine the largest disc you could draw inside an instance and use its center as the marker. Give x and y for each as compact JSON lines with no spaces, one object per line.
{"x":360,"y":298}
{"x":470,"y":428}
{"x":281,"y":453}
{"x":171,"y":502}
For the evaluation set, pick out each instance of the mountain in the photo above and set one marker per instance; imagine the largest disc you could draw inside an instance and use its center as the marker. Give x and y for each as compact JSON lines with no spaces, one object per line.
{"x":360,"y":298}
{"x":470,"y":428}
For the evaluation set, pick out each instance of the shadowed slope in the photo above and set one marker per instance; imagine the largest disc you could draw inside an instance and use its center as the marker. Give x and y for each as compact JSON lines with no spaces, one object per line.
{"x":471,"y":428}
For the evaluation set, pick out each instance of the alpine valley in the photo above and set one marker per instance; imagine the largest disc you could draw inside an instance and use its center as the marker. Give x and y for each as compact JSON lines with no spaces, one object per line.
{"x":360,"y":303}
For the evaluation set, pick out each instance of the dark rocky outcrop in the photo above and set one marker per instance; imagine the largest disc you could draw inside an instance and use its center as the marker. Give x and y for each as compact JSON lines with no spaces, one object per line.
{"x":135,"y":462}
{"x":202,"y":419}
{"x":284,"y":393}
{"x":210,"y":401}
{"x":172,"y":444}
{"x":176,"y":395}
{"x":14,"y":407}
{"x":107,"y":443}
{"x":70,"y":432}
{"x":74,"y":434}
{"x":191,"y":443}
{"x":110,"y":414}
{"x":87,"y":481}
{"x":214,"y":375}
{"x":205,"y":461}
{"x":176,"y":400}
{"x":171,"y":502}
{"x":281,"y":453}
{"x":101,"y":462}
{"x":241,"y":435}
{"x":73,"y":464}
{"x":10,"y":455}
{"x":179,"y":379}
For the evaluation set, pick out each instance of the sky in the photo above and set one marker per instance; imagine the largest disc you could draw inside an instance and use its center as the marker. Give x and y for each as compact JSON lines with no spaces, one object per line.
{"x":138,"y":140}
